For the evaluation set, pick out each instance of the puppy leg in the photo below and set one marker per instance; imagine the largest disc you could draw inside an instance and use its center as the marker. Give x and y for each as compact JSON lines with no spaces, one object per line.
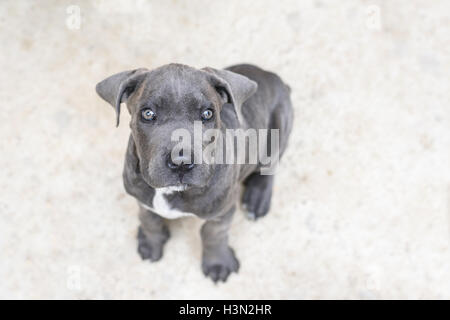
{"x":218,"y":259}
{"x":152,"y":235}
{"x":257,"y":195}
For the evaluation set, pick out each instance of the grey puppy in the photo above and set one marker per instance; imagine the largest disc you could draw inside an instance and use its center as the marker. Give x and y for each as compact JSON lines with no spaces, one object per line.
{"x":174,"y":96}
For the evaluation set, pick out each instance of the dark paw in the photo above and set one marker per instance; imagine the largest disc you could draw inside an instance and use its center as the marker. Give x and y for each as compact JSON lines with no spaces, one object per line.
{"x":218,"y":267}
{"x":257,"y":197}
{"x":151,"y":248}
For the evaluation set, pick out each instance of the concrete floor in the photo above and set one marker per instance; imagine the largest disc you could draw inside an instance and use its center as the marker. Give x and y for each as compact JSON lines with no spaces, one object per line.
{"x":361,"y":207}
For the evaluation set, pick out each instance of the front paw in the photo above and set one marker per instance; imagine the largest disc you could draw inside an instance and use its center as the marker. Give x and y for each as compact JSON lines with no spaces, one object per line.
{"x":219,"y":264}
{"x":151,"y":248}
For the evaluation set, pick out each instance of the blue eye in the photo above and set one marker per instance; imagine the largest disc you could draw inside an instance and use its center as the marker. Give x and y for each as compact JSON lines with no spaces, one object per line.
{"x":148,"y":114}
{"x":207,"y":114}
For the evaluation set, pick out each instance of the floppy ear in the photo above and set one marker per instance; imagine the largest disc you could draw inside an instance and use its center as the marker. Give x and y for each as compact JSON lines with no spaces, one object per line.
{"x":117,"y":88}
{"x":237,"y":88}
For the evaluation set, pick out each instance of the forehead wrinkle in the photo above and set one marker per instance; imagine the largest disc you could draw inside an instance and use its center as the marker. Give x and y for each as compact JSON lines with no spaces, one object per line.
{"x":181,"y":87}
{"x":185,"y":91}
{"x":176,"y":84}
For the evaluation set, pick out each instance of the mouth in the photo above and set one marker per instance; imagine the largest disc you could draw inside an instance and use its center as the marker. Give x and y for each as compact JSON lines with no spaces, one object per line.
{"x":179,"y":187}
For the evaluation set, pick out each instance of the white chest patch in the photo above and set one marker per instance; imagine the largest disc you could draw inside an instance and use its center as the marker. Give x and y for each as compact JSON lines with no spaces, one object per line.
{"x":162,"y":207}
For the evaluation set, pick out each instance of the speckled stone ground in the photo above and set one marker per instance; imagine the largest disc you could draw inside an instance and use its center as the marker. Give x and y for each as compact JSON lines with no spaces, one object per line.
{"x":362,"y":200}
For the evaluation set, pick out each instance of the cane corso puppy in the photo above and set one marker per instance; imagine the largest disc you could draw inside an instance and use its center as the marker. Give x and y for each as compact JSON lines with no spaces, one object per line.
{"x":169,"y":186}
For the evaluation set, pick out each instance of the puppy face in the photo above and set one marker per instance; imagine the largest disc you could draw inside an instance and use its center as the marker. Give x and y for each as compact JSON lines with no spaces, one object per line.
{"x":168,"y":99}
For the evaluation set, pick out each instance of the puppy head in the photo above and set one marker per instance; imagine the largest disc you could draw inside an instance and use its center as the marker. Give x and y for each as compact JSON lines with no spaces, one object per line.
{"x":171,"y":98}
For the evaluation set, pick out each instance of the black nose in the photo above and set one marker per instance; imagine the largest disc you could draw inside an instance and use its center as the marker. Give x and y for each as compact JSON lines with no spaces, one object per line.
{"x":180,"y":163}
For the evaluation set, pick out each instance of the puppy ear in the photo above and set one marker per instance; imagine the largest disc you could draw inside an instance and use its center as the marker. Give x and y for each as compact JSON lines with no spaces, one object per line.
{"x":119,"y":87}
{"x":236,"y":87}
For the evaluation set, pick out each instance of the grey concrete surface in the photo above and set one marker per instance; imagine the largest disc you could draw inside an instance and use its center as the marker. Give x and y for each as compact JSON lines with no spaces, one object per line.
{"x":361,"y":205}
